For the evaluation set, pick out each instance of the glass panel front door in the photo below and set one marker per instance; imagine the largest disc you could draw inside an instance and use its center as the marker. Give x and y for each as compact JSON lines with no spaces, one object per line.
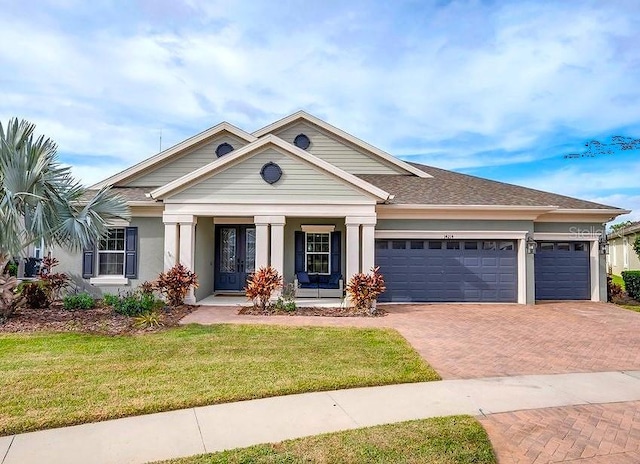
{"x":235,"y":256}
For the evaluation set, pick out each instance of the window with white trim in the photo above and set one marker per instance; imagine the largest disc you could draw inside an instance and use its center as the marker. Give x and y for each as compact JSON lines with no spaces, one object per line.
{"x":111,"y":253}
{"x":318,"y":252}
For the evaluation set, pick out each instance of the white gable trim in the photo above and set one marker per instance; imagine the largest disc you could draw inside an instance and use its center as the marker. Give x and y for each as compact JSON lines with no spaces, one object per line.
{"x":235,"y":156}
{"x":169,"y":152}
{"x":302,"y":115}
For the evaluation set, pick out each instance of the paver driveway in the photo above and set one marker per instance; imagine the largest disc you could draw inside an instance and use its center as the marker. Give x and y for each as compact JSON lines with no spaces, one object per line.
{"x":485,"y":340}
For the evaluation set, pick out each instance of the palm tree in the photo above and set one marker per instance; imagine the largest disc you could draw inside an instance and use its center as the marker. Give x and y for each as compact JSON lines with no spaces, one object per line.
{"x":40,"y":200}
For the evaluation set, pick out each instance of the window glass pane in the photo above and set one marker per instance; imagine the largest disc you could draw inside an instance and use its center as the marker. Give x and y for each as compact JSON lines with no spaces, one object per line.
{"x":399,"y":244}
{"x":470,"y":245}
{"x":579,"y":246}
{"x":114,"y":241}
{"x":317,"y":264}
{"x":506,"y":245}
{"x":488,"y":245}
{"x":435,"y":245}
{"x":564,"y":246}
{"x":382,"y":244}
{"x":546,"y":246}
{"x":417,"y":244}
{"x":250,"y":242}
{"x":453,"y":245}
{"x":111,"y":264}
{"x":228,"y":250}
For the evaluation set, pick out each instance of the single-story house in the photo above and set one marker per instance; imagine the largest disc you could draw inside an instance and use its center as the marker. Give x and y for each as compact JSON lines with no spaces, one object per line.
{"x":317,"y":203}
{"x":622,"y":256}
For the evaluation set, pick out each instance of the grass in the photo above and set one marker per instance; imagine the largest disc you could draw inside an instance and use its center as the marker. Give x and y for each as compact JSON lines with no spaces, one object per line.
{"x":455,"y":439}
{"x":635,"y":308}
{"x":52,"y":380}
{"x":616,"y":279}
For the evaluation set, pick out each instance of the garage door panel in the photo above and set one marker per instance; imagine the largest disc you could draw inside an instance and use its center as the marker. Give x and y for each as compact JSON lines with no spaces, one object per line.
{"x":562,"y":274}
{"x":449,"y":273}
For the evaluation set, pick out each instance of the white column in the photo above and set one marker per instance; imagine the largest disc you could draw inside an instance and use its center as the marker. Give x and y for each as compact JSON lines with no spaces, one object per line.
{"x":522,"y":271}
{"x":353,"y":248}
{"x":594,"y":261}
{"x":368,"y":247}
{"x":262,"y":242}
{"x":188,"y":252}
{"x":170,"y":245}
{"x":277,"y":245}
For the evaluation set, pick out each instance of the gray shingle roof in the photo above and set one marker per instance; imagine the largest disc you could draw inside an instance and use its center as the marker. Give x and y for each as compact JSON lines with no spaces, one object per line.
{"x":453,"y":188}
{"x":128,"y":193}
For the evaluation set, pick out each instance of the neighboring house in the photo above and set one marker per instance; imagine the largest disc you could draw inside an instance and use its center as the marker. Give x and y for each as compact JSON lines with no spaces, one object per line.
{"x":306,"y":197}
{"x":622,"y":256}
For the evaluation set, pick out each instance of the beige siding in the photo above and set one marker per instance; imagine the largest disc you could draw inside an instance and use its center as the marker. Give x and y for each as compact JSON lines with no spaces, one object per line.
{"x":242,"y":182}
{"x":204,"y":257}
{"x":618,"y":248}
{"x":339,"y":153}
{"x":178,"y":167}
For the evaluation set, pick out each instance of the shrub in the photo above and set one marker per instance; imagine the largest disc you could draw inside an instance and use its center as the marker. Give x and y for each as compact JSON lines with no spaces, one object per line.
{"x":110,"y":299}
{"x":287,"y":301}
{"x":147,"y":287}
{"x":364,"y":289}
{"x":8,"y":298}
{"x":632,"y":283}
{"x":78,"y":301}
{"x":636,"y":245}
{"x":11,"y":269}
{"x":175,"y":284}
{"x":261,"y":285}
{"x":614,"y":291}
{"x":136,"y":303}
{"x":148,"y":320}
{"x":35,"y":294}
{"x":55,"y":281}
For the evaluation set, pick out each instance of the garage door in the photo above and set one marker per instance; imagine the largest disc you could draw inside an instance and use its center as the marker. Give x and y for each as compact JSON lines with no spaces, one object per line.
{"x":448,"y":270}
{"x":562,"y":271}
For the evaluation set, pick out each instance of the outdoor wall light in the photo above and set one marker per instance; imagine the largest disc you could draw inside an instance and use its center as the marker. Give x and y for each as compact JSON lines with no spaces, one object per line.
{"x":603,"y":245}
{"x":531,"y":245}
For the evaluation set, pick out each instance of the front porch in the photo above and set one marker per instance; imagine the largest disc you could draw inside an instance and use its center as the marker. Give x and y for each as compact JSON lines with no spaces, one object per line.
{"x":224,"y":250}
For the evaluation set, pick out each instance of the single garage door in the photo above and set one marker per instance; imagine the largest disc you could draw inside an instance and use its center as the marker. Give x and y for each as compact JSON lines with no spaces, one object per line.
{"x":562,"y":271}
{"x":448,"y":270}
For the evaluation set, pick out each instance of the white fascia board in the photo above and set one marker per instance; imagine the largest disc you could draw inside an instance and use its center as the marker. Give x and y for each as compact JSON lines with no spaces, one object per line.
{"x":217,"y":165}
{"x":171,"y":151}
{"x":453,"y":234}
{"x":344,"y":135}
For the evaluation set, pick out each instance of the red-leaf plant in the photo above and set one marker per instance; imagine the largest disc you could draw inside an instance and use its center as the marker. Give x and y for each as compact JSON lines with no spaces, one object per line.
{"x":364,"y":289}
{"x":175,"y":284}
{"x":261,"y":286}
{"x":54,"y":282}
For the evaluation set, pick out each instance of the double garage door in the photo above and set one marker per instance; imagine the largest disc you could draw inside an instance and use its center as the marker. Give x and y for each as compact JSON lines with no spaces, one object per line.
{"x":448,"y":270}
{"x":479,"y":270}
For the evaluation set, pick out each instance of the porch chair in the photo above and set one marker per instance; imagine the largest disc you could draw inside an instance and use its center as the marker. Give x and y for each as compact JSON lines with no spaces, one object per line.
{"x":318,"y":286}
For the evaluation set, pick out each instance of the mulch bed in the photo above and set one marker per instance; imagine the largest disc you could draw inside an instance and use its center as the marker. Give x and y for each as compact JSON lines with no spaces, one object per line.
{"x":304,"y":311}
{"x":101,"y":320}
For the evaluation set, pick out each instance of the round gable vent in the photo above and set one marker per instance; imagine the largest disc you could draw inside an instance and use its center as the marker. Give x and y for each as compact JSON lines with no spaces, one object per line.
{"x":302,"y":141}
{"x":271,"y":173}
{"x":223,"y":149}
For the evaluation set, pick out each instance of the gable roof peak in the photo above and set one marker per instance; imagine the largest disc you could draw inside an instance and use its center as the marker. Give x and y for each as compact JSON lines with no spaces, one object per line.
{"x":376,"y":152}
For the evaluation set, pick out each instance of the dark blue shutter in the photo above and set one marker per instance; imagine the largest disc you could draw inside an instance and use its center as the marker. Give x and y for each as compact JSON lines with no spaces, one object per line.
{"x":336,"y":242}
{"x":131,"y":252}
{"x":299,"y":241}
{"x":88,"y":260}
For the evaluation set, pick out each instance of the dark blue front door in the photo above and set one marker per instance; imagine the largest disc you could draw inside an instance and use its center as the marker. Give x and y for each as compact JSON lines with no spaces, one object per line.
{"x":235,"y":256}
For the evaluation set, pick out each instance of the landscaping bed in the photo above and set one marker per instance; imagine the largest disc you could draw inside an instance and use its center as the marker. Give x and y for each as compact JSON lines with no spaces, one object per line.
{"x":101,"y":320}
{"x":312,"y":311}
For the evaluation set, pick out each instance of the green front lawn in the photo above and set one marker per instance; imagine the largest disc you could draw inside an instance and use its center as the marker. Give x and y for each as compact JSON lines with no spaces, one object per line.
{"x":51,"y":380}
{"x":616,"y":279}
{"x":456,"y":439}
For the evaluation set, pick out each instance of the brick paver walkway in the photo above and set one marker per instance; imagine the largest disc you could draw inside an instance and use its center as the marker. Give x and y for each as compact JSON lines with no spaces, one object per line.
{"x":484,"y":340}
{"x":596,"y":433}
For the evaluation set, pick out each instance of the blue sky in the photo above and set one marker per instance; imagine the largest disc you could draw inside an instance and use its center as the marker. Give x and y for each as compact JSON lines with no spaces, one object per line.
{"x":492,"y":88}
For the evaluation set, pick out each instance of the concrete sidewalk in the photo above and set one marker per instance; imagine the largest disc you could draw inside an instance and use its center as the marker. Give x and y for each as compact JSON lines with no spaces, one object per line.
{"x":213,"y":428}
